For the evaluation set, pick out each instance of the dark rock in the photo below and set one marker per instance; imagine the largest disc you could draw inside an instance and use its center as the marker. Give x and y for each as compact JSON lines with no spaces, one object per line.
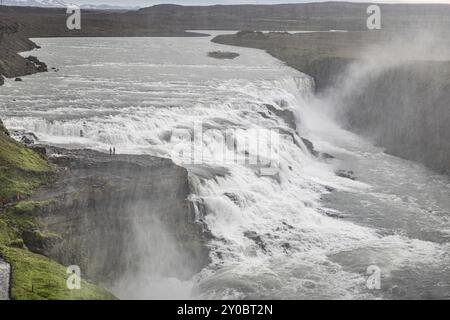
{"x":41,"y":150}
{"x":38,"y":242}
{"x":287,"y":115}
{"x":310,"y":146}
{"x":325,"y":156}
{"x":288,"y":225}
{"x":274,"y":175}
{"x":3,"y":128}
{"x":40,"y":66}
{"x":346,"y":174}
{"x":252,"y":235}
{"x":235,"y":199}
{"x":27,"y":141}
{"x":207,"y":172}
{"x":223,"y":55}
{"x":18,"y":79}
{"x":331,"y":213}
{"x":27,"y":138}
{"x":282,"y":103}
{"x":286,"y":246}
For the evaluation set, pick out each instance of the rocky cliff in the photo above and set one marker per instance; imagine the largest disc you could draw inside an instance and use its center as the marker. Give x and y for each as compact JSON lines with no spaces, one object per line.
{"x":404,"y":108}
{"x":24,"y":274}
{"x":102,"y":210}
{"x":109,"y":215}
{"x":13,"y":41}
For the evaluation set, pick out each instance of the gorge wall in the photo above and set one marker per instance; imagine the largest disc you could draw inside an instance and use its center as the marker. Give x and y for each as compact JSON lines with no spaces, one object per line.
{"x":116,"y":214}
{"x":404,"y":108}
{"x":398,"y":98}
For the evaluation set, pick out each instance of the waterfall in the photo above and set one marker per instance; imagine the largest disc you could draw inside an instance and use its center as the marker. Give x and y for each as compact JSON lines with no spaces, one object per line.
{"x":254,"y":140}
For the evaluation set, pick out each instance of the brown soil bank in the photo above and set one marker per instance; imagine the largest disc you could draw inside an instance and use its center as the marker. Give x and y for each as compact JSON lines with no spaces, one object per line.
{"x":401,"y":103}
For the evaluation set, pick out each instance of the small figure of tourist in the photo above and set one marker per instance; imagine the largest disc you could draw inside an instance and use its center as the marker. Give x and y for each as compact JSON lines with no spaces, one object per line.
{"x":110,"y":151}
{"x":81,"y":133}
{"x":114,"y":150}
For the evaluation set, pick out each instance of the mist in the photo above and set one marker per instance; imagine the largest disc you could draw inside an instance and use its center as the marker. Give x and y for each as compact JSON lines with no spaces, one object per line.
{"x":397,"y":95}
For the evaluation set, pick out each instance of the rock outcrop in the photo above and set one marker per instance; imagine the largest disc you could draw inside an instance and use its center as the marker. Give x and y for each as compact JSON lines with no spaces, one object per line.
{"x":3,"y":129}
{"x":102,"y":211}
{"x":223,"y":55}
{"x":13,"y":41}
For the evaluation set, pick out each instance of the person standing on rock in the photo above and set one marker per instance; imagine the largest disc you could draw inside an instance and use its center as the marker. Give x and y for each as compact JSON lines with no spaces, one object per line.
{"x":114,"y":150}
{"x":110,"y":151}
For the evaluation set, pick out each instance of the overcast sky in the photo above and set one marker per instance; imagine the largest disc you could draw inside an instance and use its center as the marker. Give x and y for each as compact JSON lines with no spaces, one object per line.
{"x":147,"y":3}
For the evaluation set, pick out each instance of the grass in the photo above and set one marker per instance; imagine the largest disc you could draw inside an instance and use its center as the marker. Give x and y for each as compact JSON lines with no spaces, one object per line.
{"x":21,"y":169}
{"x":35,"y":277}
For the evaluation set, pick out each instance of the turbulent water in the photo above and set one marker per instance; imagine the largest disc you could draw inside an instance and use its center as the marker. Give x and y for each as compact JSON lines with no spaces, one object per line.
{"x":306,"y":233}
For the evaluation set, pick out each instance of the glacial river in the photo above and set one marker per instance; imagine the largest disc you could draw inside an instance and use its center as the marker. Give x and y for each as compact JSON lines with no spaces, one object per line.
{"x":381,"y":231}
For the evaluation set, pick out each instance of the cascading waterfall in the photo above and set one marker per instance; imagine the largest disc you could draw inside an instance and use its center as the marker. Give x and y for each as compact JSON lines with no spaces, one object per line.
{"x":255,"y":220}
{"x":272,"y":236}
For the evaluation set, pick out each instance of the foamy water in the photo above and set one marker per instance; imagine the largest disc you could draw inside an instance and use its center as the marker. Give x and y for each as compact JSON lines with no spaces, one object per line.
{"x":307,"y":233}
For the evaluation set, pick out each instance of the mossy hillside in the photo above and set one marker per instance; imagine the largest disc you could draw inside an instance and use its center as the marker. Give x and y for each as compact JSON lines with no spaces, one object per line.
{"x":18,"y":220}
{"x":35,"y":276}
{"x":21,"y":169}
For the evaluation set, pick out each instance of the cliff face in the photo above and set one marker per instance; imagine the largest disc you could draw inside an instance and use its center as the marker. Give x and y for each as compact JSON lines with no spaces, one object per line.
{"x":23,"y":274}
{"x":115,"y":214}
{"x":405,"y":109}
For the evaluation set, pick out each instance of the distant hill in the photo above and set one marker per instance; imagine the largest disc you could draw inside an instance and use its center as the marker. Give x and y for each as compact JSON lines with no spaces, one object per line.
{"x":63,"y":4}
{"x":300,"y":16}
{"x":170,"y":20}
